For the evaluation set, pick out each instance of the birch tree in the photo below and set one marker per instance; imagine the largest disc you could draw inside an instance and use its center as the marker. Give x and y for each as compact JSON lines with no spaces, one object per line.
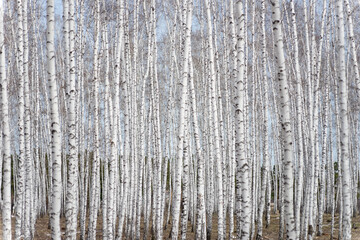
{"x":344,"y":124}
{"x":285,"y":121}
{"x":243,"y":207}
{"x":21,"y":160}
{"x":6,"y":154}
{"x":71,"y":194}
{"x":55,"y":124}
{"x":95,"y":188}
{"x":214,"y":105}
{"x":187,"y":11}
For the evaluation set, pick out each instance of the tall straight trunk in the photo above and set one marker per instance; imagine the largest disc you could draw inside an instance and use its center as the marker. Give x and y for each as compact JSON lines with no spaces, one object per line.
{"x":324,"y":157}
{"x":353,"y":45}
{"x":299,"y":187}
{"x":142,"y":155}
{"x":157,"y":127}
{"x":27,"y":130}
{"x":107,"y":138}
{"x":285,"y":120}
{"x":112,"y":164}
{"x":55,"y":124}
{"x":200,"y":209}
{"x":311,"y":141}
{"x":6,"y":148}
{"x":344,"y":124}
{"x":185,"y":179}
{"x":148,"y":179}
{"x":233,"y":73}
{"x":243,"y":203}
{"x":135,"y":127}
{"x":266,"y":160}
{"x":94,"y":197}
{"x":214,"y":99}
{"x":21,"y":160}
{"x":355,"y":68}
{"x":183,"y":109}
{"x":125,"y":161}
{"x":71,"y":194}
{"x":80,"y":117}
{"x":114,"y":131}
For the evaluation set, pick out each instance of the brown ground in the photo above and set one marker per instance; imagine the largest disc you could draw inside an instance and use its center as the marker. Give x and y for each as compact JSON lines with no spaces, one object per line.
{"x":43,"y":233}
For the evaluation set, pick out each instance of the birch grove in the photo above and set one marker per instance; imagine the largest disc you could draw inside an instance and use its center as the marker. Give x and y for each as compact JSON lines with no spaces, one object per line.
{"x":195,"y":119}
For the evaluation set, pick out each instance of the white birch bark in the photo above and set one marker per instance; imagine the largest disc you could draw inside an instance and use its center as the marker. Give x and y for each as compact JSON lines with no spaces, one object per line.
{"x":6,"y":148}
{"x":148,"y":179}
{"x":344,"y":125}
{"x":125,"y":181}
{"x":142,"y":186}
{"x":266,"y":160}
{"x":352,"y":45}
{"x":21,"y":160}
{"x":135,"y":127}
{"x":200,"y":206}
{"x":94,"y":197}
{"x":27,"y":130}
{"x":80,"y":117}
{"x":181,"y":134}
{"x":112,"y":163}
{"x":214,"y":99}
{"x":299,"y":187}
{"x":285,"y":120}
{"x":55,"y":125}
{"x":115,"y":130}
{"x":243,"y":203}
{"x":71,"y":194}
{"x":157,"y":127}
{"x":233,"y":79}
{"x":324,"y":157}
{"x":185,"y":178}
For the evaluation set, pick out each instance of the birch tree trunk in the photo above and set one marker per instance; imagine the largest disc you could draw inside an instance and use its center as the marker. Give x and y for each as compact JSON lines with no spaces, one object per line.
{"x":266,"y":160}
{"x":285,"y":121}
{"x":299,"y":187}
{"x":344,"y":124}
{"x":214,"y":97}
{"x":21,"y":160}
{"x":27,"y":130}
{"x":6,"y":148}
{"x":352,"y":45}
{"x":157,"y":127}
{"x":243,"y":202}
{"x":71,"y":194}
{"x":95,"y":182}
{"x":55,"y":125}
{"x":183,"y":108}
{"x":115,"y":131}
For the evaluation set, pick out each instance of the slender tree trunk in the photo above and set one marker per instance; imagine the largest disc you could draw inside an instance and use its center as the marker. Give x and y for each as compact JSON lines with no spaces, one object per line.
{"x":183,"y":109}
{"x":21,"y":160}
{"x":243,"y":203}
{"x":55,"y":125}
{"x":266,"y":160}
{"x":94,"y":197}
{"x":71,"y":196}
{"x":285,"y":120}
{"x":344,"y":125}
{"x":6,"y":148}
{"x":299,"y":187}
{"x":214,"y":99}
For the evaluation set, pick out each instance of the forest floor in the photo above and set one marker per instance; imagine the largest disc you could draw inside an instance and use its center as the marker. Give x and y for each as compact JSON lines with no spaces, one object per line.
{"x":42,"y":232}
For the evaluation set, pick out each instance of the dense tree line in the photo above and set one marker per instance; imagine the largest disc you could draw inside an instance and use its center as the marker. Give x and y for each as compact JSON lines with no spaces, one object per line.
{"x":170,"y":114}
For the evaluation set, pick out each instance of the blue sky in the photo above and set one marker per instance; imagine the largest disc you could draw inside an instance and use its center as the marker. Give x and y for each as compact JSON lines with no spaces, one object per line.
{"x":58,"y":7}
